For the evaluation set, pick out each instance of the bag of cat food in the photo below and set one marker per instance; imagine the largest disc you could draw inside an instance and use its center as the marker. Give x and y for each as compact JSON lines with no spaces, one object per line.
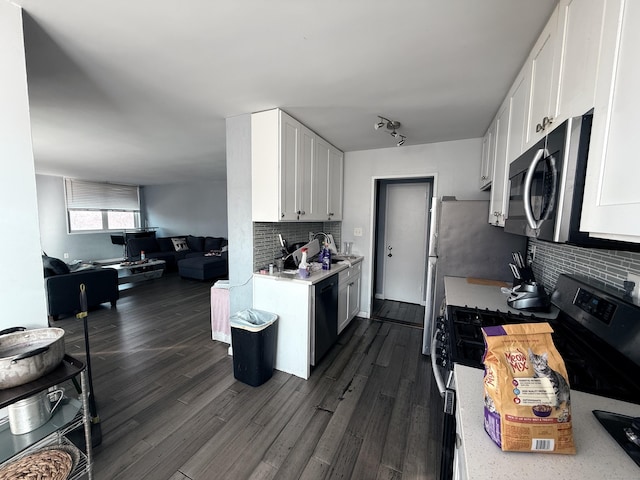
{"x":526,"y":392}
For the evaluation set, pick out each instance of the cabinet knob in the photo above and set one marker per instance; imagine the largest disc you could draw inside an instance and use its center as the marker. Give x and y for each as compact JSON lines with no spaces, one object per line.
{"x":546,"y":121}
{"x":483,"y":177}
{"x":331,"y":214}
{"x":539,"y":128}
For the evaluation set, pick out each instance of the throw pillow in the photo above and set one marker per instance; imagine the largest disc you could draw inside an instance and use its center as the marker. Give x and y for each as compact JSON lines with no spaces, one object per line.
{"x":54,"y":266}
{"x":180,"y":244}
{"x":195,"y":244}
{"x":212,"y":243}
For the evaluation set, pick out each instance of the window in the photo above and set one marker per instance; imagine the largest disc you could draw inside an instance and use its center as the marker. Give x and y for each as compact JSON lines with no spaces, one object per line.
{"x":100,"y":207}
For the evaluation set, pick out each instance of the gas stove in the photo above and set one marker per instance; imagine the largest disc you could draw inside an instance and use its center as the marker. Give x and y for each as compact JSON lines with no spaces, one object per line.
{"x":597,"y":333}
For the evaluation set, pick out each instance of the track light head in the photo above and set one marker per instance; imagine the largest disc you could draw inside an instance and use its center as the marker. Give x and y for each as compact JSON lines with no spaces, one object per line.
{"x":392,"y":126}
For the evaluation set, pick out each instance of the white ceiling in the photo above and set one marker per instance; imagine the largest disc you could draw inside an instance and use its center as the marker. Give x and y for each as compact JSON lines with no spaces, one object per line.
{"x":138,"y":91}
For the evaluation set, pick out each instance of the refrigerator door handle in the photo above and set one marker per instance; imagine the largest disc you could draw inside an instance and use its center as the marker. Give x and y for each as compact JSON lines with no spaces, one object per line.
{"x":429,"y":307}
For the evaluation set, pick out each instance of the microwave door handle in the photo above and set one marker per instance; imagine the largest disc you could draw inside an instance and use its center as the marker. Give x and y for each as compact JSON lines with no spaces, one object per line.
{"x":434,"y":366}
{"x":528,"y":180}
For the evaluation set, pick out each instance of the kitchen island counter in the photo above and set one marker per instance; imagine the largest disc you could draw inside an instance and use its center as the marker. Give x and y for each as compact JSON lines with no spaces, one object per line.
{"x":316,"y":275}
{"x":598,"y":455}
{"x":293,"y":299}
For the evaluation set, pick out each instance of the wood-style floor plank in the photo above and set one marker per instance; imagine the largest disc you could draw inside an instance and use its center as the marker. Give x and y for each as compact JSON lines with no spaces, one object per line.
{"x":171,"y":409}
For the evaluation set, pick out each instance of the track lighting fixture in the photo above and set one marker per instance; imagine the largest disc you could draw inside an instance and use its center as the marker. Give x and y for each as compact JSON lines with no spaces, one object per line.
{"x":392,"y":125}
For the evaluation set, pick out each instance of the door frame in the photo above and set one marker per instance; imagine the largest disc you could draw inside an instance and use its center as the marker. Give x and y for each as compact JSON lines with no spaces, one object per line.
{"x":373,"y":223}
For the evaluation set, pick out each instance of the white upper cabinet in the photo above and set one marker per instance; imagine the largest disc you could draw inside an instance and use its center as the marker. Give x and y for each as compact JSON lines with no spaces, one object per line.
{"x":290,"y":170}
{"x":544,"y":67}
{"x":518,"y":98}
{"x":321,"y":171}
{"x":611,"y":205}
{"x":486,"y":165}
{"x":335,"y":186}
{"x":580,"y":28}
{"x":498,"y":201}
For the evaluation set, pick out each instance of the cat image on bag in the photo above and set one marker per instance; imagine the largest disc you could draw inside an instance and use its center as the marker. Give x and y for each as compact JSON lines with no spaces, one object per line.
{"x":542,"y":370}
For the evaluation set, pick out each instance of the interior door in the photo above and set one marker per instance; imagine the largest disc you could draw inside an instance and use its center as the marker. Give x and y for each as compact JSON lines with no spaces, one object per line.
{"x":405,"y":240}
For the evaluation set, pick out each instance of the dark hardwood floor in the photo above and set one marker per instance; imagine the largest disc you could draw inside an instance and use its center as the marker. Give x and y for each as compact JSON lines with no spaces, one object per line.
{"x":170,"y":407}
{"x":398,"y":312}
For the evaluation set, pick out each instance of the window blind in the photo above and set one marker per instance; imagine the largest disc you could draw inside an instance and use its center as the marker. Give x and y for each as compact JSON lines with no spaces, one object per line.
{"x":87,"y":195}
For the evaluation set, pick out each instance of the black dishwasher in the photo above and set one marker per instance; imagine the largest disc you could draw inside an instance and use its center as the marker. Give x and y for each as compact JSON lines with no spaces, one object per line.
{"x":325,"y":331}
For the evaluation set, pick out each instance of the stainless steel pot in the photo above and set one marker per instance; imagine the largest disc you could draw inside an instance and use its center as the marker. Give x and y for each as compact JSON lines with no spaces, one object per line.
{"x":26,"y":355}
{"x":33,"y":412}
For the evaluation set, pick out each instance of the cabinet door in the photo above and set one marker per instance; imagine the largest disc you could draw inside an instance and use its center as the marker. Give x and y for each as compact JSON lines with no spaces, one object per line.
{"x":611,"y":205}
{"x":486,"y":166}
{"x":581,"y":43}
{"x":343,"y":306}
{"x":321,"y":179}
{"x":492,"y":160}
{"x":354,"y":296}
{"x":290,"y":174}
{"x":305,"y":176}
{"x":497,"y":203}
{"x":545,"y":63}
{"x":519,"y":99}
{"x":335,"y":185}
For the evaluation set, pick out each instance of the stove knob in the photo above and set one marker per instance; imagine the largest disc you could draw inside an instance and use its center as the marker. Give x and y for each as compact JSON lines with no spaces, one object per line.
{"x":441,"y":352}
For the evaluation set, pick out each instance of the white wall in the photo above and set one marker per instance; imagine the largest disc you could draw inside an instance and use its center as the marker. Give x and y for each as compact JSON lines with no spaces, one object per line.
{"x":195,"y":208}
{"x":239,"y":212}
{"x":21,"y":282}
{"x":54,"y":238}
{"x":455,"y":166}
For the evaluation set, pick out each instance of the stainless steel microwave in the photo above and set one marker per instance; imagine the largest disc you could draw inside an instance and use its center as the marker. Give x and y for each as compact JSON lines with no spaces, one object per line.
{"x":546,"y":185}
{"x":546,"y":188}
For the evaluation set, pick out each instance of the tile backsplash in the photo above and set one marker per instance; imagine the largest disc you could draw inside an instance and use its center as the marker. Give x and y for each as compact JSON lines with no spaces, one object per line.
{"x":267,"y":245}
{"x":608,"y":266}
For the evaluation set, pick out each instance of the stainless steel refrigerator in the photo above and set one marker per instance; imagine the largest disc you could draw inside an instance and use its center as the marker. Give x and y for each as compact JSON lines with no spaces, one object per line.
{"x":463,"y":244}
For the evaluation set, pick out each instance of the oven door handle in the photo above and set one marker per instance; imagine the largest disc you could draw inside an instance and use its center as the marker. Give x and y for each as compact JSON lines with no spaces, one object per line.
{"x":528,"y":181}
{"x":434,"y":366}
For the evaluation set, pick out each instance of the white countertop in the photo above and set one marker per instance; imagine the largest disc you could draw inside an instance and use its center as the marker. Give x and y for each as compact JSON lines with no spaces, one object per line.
{"x":476,"y":293}
{"x":316,"y":275}
{"x":598,"y":455}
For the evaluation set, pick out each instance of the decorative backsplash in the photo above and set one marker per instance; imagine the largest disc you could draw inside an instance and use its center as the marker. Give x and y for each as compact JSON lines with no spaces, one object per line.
{"x":608,"y":266}
{"x":267,"y":245}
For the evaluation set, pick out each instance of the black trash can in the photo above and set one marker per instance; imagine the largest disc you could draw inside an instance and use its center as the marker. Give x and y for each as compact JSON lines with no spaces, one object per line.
{"x":253,"y":338}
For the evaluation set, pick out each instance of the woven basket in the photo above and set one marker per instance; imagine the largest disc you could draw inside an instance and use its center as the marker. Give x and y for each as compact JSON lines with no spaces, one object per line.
{"x":50,"y":463}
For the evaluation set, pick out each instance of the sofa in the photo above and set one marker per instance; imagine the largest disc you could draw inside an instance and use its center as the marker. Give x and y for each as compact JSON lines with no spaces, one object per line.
{"x":197,"y":257}
{"x":62,"y":287}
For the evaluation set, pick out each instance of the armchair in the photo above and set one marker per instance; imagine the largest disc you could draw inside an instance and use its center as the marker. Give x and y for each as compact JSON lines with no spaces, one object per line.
{"x":63,"y":290}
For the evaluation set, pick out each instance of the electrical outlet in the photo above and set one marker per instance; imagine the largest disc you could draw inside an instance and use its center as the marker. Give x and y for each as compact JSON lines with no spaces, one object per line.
{"x":357,"y":232}
{"x":636,"y":290}
{"x":65,"y":255}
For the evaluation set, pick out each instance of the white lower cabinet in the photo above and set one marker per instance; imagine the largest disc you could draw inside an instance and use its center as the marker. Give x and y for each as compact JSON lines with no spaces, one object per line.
{"x":348,"y":295}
